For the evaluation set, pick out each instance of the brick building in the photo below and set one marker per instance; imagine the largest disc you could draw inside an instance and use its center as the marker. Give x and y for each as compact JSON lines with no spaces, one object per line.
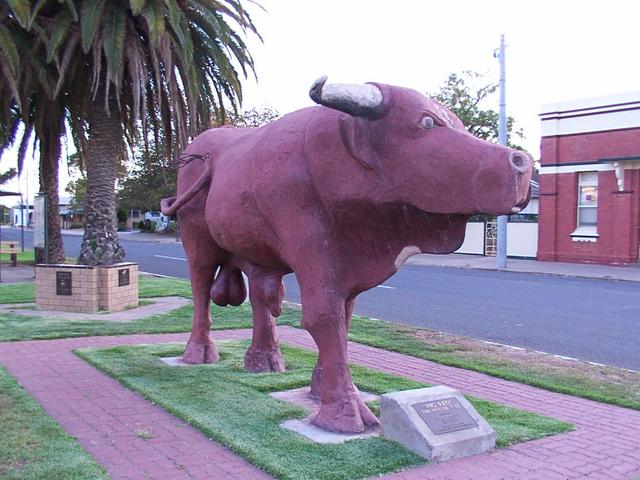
{"x":590,"y":180}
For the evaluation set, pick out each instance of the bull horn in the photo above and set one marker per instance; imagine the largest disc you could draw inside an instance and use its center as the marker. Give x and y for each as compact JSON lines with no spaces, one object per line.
{"x":357,"y":100}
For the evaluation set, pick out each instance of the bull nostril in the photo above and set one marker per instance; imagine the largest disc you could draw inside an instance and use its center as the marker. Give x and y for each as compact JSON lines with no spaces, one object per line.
{"x":519,"y":161}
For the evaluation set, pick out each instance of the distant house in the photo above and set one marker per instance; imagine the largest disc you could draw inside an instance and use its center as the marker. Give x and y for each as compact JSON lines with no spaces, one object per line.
{"x":22,"y":216}
{"x":71,"y":216}
{"x":135,"y":216}
{"x":590,"y":180}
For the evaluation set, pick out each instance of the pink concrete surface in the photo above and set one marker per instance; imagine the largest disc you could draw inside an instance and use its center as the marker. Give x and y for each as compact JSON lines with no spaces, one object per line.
{"x":105,"y":417}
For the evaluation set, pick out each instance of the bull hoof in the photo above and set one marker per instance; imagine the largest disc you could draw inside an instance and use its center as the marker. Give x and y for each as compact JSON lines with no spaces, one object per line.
{"x":348,"y":415}
{"x":196,"y":353}
{"x":264,"y":361}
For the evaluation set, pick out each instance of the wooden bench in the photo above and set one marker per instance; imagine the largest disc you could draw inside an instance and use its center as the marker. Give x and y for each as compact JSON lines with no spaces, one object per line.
{"x":12,"y":248}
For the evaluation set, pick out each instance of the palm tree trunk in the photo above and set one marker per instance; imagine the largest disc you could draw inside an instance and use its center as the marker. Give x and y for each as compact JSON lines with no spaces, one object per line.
{"x":100,"y":245}
{"x":49,"y":130}
{"x":49,"y":158}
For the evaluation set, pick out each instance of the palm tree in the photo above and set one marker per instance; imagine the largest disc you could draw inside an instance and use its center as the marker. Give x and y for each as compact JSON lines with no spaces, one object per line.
{"x":27,"y":100}
{"x":125,"y":68}
{"x":155,"y":68}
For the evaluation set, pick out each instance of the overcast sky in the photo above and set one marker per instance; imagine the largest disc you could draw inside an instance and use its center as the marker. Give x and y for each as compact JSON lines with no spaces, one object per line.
{"x":556,"y":50}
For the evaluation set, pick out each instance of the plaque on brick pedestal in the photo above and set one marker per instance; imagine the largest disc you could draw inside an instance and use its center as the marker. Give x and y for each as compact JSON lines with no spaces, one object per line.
{"x":88,"y":289}
{"x":437,"y":423}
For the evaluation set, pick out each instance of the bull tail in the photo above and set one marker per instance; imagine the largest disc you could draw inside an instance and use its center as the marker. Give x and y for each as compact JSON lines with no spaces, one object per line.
{"x":169,"y":206}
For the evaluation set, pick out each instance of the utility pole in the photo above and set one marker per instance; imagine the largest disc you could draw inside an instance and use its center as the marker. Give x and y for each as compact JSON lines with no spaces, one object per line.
{"x":501,"y":258}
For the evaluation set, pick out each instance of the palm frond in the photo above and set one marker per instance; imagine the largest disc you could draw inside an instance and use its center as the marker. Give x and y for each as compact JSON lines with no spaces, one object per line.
{"x":9,"y":51}
{"x":58,"y":33}
{"x":90,"y":17}
{"x":22,"y":11}
{"x":153,"y":13}
{"x":136,"y":6}
{"x":114,"y":25}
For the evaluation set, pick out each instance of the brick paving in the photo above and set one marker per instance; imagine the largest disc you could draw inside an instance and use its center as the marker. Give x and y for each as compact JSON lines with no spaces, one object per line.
{"x":111,"y":421}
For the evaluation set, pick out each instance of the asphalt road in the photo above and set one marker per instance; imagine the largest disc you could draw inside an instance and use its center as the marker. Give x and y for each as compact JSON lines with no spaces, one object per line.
{"x":592,"y":320}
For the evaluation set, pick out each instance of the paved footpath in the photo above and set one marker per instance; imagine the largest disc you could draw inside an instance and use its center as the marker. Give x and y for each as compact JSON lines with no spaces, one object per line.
{"x":107,"y":418}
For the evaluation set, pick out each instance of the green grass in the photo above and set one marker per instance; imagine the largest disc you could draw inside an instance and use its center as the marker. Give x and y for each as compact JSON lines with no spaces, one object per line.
{"x":19,"y":327}
{"x":33,"y":446}
{"x":24,"y":258}
{"x":233,"y":407}
{"x":147,"y":287}
{"x":401,"y":339}
{"x":24,"y":292}
{"x":376,"y":333}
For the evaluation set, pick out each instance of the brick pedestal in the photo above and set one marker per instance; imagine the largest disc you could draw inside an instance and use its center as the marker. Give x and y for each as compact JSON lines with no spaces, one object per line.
{"x":81,"y":288}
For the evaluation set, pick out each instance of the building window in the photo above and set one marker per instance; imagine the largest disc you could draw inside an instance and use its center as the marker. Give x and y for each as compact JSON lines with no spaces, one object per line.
{"x":587,"y":205}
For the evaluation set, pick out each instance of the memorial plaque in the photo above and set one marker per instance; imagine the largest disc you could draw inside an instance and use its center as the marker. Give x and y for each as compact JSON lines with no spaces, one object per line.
{"x":437,"y":423}
{"x":445,"y":415}
{"x":123,"y":277}
{"x":63,"y":283}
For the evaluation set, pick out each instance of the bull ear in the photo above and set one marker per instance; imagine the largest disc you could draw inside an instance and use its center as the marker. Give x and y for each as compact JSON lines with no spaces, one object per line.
{"x":356,"y":137}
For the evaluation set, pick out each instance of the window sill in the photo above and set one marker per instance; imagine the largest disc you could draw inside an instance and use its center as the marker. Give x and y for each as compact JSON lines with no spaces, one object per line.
{"x":585,"y":234}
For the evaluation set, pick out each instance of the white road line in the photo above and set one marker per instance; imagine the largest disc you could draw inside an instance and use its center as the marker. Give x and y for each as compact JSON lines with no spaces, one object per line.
{"x":386,"y":286}
{"x":566,"y":358}
{"x":171,"y":258}
{"x":160,"y":275}
{"x":597,"y":364}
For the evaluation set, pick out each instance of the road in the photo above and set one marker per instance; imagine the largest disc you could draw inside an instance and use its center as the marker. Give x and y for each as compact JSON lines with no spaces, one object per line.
{"x":592,"y":320}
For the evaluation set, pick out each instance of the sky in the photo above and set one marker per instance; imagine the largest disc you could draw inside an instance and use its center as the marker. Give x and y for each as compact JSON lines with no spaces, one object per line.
{"x":556,"y":50}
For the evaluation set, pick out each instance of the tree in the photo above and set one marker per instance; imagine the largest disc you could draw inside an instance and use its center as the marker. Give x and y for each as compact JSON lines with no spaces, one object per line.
{"x":466,"y":95}
{"x":167,"y":66}
{"x":29,"y":106}
{"x":154,"y":176}
{"x":78,"y":190}
{"x":8,"y":175}
{"x":253,"y":117}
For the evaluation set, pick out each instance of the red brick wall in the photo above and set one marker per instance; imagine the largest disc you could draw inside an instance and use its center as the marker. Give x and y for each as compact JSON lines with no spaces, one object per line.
{"x":618,"y":212}
{"x":618,"y":215}
{"x":587,"y":147}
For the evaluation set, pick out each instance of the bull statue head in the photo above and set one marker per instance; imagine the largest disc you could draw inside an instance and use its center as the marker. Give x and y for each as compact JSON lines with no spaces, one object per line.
{"x":422,"y":152}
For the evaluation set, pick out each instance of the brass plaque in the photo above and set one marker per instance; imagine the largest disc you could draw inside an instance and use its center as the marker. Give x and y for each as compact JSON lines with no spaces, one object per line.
{"x":63,"y":283}
{"x":123,"y":277}
{"x":445,"y":416}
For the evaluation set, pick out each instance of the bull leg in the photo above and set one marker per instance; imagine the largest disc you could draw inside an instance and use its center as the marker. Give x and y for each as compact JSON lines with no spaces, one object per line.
{"x":265,"y":293}
{"x":204,"y":256}
{"x":341,"y":410}
{"x":316,"y":376}
{"x":200,"y":348}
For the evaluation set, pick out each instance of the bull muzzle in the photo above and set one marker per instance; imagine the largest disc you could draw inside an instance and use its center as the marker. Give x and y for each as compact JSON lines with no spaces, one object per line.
{"x":522,"y":166}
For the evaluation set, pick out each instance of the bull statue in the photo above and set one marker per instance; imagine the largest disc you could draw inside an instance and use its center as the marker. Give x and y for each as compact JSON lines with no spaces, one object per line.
{"x":341,"y":194}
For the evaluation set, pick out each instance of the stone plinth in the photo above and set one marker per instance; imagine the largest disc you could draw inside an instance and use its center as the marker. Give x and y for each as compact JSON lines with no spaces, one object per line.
{"x":82,"y":288}
{"x":437,"y":423}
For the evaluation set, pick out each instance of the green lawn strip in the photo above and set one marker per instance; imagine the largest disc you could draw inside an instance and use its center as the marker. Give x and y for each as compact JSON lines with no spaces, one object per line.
{"x":23,"y":292}
{"x":233,"y":407}
{"x":402,"y":339}
{"x":19,"y":327}
{"x":32,"y":445}
{"x":399,"y":339}
{"x":23,"y":258}
{"x":147,"y":287}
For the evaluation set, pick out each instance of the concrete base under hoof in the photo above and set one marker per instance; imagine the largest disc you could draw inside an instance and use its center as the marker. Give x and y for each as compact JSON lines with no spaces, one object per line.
{"x":300,"y":397}
{"x":176,"y":362}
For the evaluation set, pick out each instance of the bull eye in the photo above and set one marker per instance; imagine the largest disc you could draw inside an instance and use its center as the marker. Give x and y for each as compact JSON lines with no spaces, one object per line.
{"x":427,"y":122}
